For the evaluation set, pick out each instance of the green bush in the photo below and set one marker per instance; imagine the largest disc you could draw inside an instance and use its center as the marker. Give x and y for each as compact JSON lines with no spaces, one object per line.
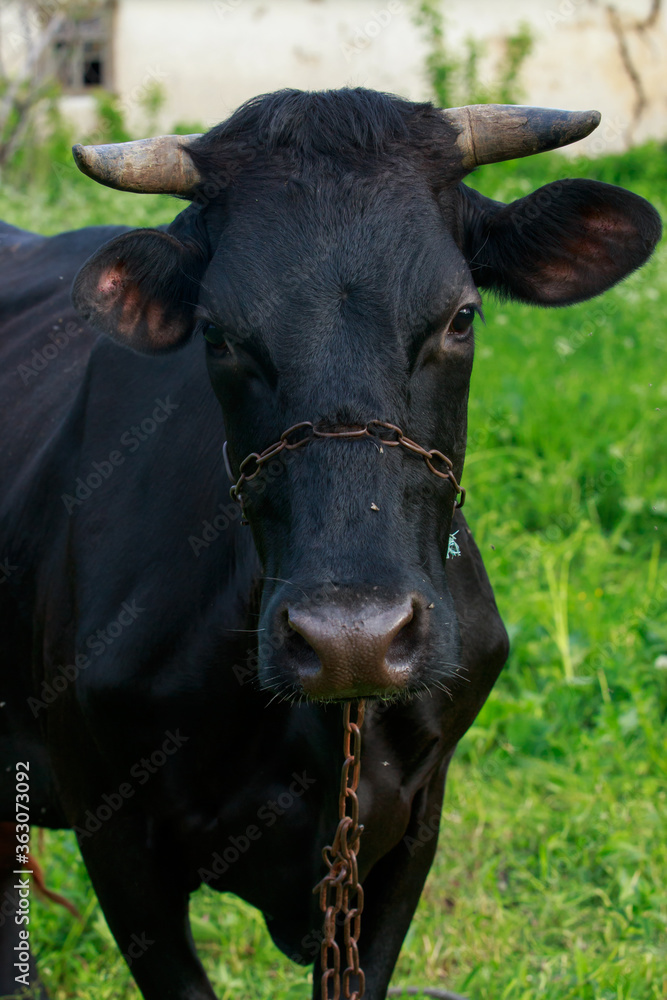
{"x":453,"y":73}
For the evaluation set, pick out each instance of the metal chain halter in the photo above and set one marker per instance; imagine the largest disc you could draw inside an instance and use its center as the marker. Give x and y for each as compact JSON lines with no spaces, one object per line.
{"x":339,"y":890}
{"x":301,"y":434}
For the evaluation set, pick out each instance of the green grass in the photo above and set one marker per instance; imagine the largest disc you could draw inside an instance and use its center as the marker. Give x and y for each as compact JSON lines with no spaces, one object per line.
{"x":551,"y":876}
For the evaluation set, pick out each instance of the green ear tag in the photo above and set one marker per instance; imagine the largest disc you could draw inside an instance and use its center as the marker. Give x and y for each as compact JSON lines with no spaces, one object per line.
{"x":453,"y":547}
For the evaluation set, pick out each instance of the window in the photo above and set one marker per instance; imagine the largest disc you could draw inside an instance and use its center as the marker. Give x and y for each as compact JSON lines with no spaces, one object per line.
{"x":82,"y":50}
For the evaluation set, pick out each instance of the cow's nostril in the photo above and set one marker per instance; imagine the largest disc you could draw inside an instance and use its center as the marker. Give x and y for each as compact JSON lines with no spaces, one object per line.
{"x":401,"y":649}
{"x":299,"y":650}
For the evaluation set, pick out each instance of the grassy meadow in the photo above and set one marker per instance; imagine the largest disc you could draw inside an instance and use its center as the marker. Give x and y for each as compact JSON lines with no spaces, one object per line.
{"x":550,"y":881}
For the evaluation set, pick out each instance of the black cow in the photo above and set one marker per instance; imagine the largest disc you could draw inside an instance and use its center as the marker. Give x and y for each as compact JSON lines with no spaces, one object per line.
{"x":172,"y":677}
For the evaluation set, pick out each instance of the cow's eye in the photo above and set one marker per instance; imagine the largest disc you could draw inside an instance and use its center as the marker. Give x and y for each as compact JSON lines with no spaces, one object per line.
{"x":216,"y":338}
{"x":463,"y":320}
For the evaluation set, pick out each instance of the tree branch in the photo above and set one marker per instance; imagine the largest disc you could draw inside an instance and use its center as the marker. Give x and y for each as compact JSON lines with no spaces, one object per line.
{"x":26,"y":89}
{"x":621,"y":34}
{"x":651,"y":17}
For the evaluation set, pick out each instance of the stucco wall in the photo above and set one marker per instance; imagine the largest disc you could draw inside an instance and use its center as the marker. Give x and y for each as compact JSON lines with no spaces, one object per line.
{"x":213,"y":54}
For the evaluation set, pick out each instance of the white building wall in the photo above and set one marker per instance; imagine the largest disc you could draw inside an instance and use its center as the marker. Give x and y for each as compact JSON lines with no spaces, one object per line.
{"x":211,"y":55}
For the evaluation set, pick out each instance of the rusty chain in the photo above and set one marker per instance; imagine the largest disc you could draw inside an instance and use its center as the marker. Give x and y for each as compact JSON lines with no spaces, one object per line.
{"x":339,"y":890}
{"x":301,"y":434}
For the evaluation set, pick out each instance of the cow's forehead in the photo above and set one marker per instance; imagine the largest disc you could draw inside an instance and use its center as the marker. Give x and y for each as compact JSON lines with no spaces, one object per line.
{"x":303,"y":250}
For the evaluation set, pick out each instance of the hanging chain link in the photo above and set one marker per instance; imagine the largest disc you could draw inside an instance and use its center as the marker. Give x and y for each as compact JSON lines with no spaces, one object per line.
{"x":300,"y":434}
{"x":339,"y":890}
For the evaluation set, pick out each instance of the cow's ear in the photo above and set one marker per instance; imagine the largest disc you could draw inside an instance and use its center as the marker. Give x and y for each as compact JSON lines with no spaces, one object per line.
{"x":566,"y":242}
{"x":141,"y":289}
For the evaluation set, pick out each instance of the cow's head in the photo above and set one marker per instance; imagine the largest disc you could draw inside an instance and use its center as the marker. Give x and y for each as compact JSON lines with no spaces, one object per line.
{"x":331,"y":263}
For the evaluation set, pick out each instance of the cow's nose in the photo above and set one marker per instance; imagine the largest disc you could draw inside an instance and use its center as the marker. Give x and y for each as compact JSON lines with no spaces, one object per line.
{"x":350,"y":652}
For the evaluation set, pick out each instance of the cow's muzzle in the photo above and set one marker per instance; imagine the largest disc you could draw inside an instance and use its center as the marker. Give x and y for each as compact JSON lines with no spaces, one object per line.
{"x":354,"y":647}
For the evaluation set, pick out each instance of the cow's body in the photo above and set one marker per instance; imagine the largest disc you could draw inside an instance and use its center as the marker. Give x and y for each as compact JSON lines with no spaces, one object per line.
{"x":171,"y":669}
{"x":167,"y":670}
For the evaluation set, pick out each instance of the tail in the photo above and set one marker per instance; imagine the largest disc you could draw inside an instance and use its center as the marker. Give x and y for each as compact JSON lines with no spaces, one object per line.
{"x":8,"y":864}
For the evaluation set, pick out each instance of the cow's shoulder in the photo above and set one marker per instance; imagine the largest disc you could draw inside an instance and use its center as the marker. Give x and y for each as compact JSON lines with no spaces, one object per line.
{"x":11,"y":237}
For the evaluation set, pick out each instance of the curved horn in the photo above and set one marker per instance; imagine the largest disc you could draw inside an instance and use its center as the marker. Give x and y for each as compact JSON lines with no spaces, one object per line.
{"x":147,"y":166}
{"x":489,"y":133}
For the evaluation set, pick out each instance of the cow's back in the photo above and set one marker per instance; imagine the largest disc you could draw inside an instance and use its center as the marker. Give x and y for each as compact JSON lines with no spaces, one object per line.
{"x":44,"y":352}
{"x":101,"y":489}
